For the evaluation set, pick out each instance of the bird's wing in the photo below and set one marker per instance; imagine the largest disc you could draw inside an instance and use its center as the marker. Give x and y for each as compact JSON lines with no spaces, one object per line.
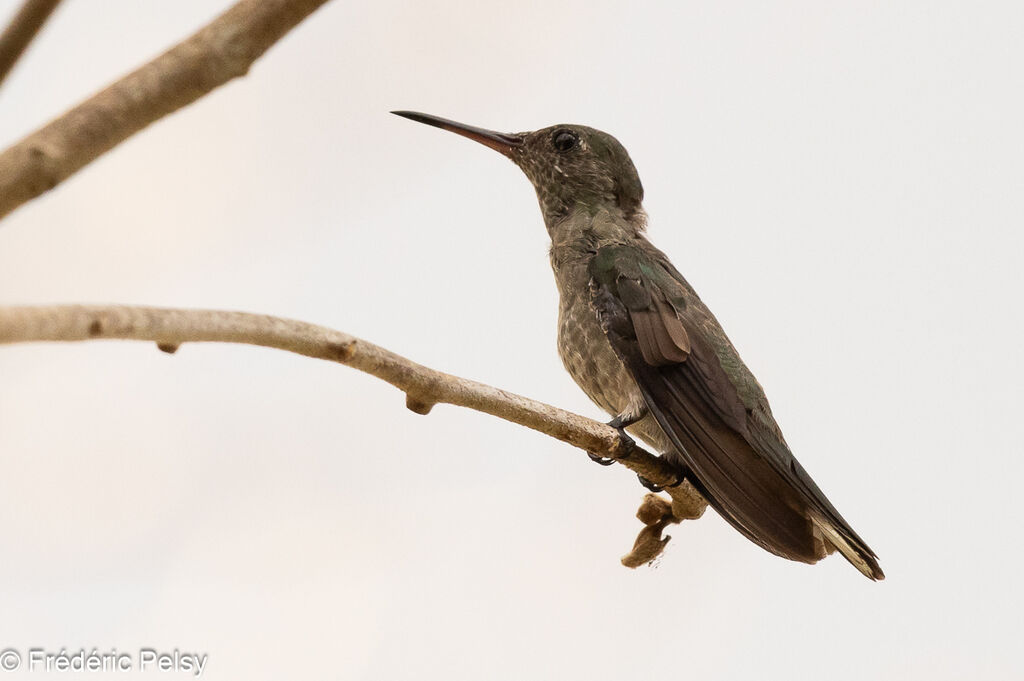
{"x":713,"y":410}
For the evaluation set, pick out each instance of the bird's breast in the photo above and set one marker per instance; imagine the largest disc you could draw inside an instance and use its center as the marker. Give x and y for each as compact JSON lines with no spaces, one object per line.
{"x":589,"y":358}
{"x":593,"y":364}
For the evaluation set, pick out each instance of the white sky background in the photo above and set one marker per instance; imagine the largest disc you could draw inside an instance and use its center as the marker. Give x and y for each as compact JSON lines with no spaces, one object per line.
{"x":842,"y":183}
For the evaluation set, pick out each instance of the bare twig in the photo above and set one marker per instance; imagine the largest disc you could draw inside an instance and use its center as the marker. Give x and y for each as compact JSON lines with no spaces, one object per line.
{"x":424,"y":387}
{"x":223,"y":50}
{"x":22,"y":29}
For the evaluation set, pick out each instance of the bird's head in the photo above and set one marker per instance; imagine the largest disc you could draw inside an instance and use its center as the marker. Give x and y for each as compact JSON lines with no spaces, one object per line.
{"x":571,"y":166}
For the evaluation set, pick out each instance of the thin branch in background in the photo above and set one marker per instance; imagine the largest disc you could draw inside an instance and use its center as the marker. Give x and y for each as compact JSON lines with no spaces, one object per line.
{"x":23,"y":28}
{"x":221,"y":51}
{"x":424,"y":387}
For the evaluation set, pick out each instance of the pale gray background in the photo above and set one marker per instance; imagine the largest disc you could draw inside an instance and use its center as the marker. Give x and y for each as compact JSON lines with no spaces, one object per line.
{"x":842,"y":182}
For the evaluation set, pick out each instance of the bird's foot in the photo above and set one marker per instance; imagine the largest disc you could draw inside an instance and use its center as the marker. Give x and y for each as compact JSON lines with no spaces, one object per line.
{"x":627,"y":444}
{"x":648,"y":484}
{"x":681,"y":473}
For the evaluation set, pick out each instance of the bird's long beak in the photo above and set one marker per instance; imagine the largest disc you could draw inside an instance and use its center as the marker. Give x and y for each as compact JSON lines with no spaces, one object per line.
{"x":498,"y":141}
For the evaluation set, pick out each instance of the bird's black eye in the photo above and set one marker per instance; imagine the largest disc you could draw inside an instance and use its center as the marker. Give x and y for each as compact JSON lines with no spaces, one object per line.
{"x":564,"y":140}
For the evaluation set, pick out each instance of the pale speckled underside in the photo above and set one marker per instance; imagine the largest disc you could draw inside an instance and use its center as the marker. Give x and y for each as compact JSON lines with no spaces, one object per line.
{"x":590,"y":360}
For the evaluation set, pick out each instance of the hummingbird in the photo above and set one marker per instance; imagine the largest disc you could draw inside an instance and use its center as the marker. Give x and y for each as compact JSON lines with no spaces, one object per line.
{"x":638,"y":340}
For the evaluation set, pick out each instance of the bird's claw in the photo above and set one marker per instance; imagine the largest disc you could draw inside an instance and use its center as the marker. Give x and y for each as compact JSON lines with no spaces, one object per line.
{"x":626,"y":446}
{"x":648,"y":484}
{"x":680,"y":478}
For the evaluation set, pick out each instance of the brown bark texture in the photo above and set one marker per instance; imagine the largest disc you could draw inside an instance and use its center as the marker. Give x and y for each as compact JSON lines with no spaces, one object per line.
{"x":424,"y":387}
{"x":222,"y":50}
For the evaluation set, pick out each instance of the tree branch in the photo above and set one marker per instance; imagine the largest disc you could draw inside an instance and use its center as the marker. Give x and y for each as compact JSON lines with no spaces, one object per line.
{"x":424,"y":387}
{"x":218,"y":53}
{"x":22,"y":29}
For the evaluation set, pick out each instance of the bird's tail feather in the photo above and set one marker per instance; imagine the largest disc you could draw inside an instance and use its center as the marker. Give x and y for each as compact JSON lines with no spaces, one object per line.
{"x":853,"y":551}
